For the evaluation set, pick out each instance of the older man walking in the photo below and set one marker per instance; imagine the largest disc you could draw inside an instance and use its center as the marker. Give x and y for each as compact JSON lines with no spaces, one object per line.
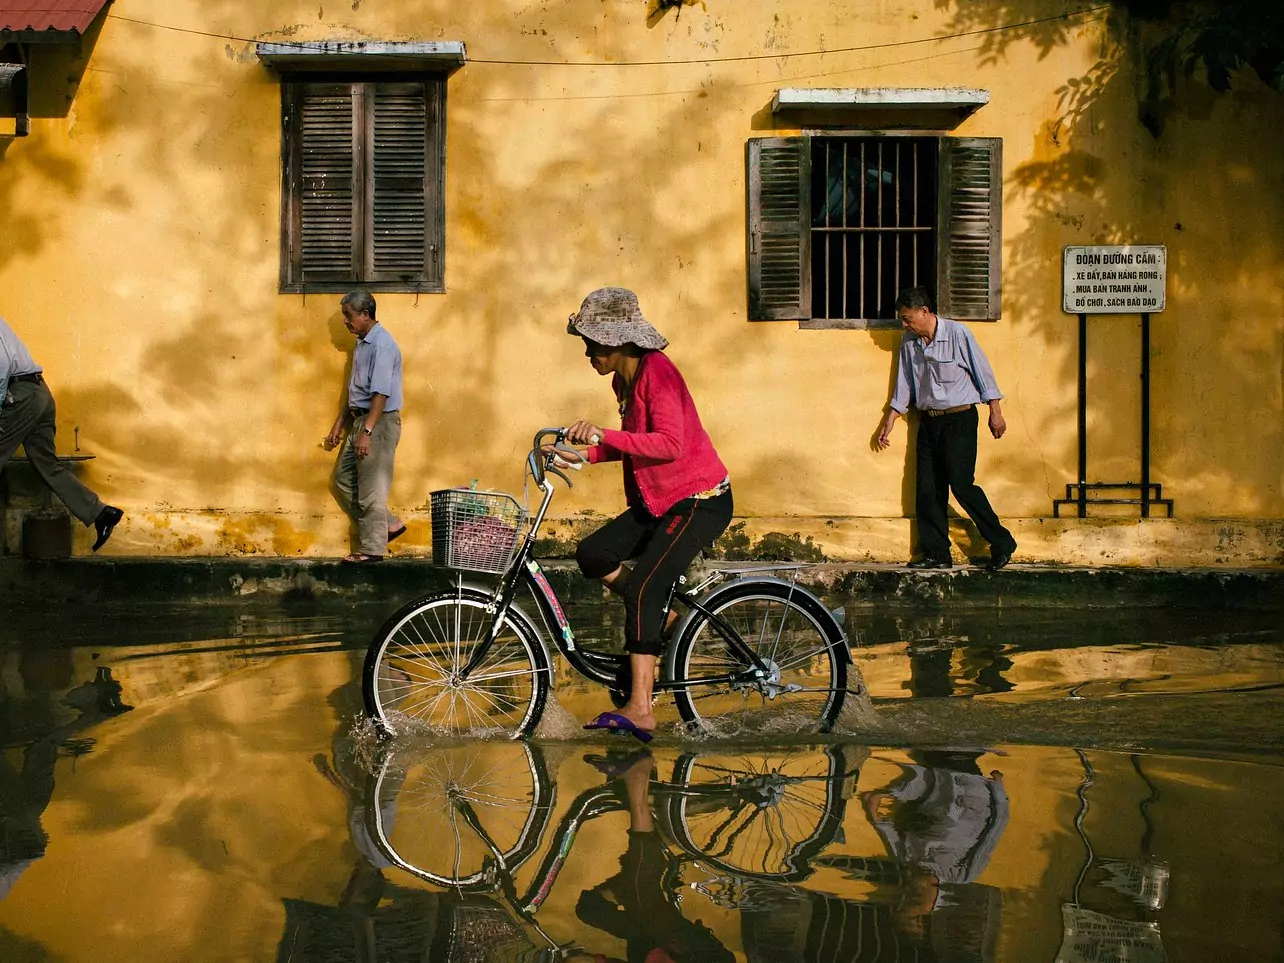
{"x":943,"y":373}
{"x":28,"y":417}
{"x":363,"y":472}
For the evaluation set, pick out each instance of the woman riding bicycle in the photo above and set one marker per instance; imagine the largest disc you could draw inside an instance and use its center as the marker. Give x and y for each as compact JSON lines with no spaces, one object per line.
{"x":676,"y":487}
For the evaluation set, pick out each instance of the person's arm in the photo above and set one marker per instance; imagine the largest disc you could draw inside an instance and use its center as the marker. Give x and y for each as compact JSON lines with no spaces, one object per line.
{"x":6,"y":369}
{"x":885,"y":432}
{"x":660,"y":397}
{"x":983,"y":377}
{"x":602,"y":452}
{"x":902,"y":395}
{"x":336,"y":430}
{"x":362,"y":446}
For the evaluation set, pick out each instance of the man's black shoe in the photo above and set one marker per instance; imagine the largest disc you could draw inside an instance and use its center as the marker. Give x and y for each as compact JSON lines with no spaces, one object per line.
{"x":104,"y":523}
{"x":1000,"y":559}
{"x":931,"y":563}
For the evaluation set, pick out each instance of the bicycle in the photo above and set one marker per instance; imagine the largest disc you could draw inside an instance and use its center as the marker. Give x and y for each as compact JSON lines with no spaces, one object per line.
{"x":466,"y":817}
{"x":472,"y":660}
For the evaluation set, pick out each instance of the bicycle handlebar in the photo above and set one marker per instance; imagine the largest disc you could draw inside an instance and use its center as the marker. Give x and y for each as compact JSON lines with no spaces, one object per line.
{"x":540,"y":466}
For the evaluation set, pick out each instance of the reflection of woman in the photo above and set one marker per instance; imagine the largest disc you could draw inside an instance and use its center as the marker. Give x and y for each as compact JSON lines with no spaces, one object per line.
{"x":676,"y":486}
{"x":637,"y":905}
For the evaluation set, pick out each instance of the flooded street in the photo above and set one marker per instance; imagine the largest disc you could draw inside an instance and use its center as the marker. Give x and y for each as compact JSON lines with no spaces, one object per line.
{"x":187,"y":783}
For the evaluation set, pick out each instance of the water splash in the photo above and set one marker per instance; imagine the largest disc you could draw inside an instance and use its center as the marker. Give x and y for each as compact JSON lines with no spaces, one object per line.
{"x":858,"y":717}
{"x":557,"y":722}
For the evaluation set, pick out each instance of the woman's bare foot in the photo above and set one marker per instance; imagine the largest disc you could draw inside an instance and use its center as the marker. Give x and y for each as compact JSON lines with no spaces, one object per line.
{"x":642,"y":717}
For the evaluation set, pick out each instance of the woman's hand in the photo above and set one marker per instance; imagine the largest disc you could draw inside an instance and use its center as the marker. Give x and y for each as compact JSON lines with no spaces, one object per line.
{"x":564,"y":457}
{"x":584,"y":433}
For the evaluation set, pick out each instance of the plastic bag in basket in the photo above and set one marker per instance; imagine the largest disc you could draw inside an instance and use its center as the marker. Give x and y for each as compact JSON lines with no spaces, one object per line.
{"x":486,"y":537}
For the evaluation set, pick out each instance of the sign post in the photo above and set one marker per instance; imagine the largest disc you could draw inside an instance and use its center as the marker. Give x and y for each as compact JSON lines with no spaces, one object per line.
{"x":1114,"y":279}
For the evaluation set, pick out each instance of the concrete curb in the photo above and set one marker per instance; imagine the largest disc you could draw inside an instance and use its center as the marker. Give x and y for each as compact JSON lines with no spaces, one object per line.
{"x":223,"y":579}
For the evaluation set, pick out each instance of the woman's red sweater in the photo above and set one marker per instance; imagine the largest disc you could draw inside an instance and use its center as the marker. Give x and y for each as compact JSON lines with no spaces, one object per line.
{"x":667,"y":453}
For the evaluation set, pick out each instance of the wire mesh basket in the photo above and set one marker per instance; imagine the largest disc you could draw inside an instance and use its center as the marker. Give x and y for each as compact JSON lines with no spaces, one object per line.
{"x":475,"y":531}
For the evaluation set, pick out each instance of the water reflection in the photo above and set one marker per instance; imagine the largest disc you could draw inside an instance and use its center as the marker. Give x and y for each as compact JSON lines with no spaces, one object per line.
{"x":720,"y":843}
{"x":236,"y":811}
{"x":27,"y":786}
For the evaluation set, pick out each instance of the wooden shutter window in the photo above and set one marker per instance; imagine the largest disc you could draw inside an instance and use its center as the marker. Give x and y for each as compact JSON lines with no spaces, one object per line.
{"x":398,"y":206}
{"x":970,"y":199}
{"x":326,"y":196}
{"x":779,"y":201}
{"x":362,"y":186}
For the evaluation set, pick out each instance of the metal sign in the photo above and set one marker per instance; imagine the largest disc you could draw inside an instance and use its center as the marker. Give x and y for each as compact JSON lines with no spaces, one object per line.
{"x":1114,"y":279}
{"x":1096,"y":938}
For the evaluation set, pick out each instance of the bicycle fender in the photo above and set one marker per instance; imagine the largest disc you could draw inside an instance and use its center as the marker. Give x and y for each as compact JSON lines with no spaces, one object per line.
{"x":833,"y":628}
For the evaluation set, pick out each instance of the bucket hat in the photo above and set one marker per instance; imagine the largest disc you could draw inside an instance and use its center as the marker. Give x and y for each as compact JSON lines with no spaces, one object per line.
{"x":611,"y":316}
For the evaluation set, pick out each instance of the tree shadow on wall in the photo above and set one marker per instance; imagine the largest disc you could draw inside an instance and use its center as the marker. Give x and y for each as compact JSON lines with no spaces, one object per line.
{"x":1095,"y":174}
{"x":213,"y":360}
{"x":657,"y":10}
{"x":55,"y":72}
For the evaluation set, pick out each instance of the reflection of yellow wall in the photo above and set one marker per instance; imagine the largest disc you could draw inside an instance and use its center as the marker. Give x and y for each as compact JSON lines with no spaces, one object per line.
{"x":141,"y":266}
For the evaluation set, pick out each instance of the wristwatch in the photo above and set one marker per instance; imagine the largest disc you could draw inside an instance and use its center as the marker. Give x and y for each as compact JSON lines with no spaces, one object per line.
{"x":367,"y":429}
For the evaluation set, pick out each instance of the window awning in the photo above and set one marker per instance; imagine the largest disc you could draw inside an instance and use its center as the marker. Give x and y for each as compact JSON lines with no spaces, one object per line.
{"x":47,"y":21}
{"x":13,"y":97}
{"x":445,"y":56}
{"x":880,"y":108}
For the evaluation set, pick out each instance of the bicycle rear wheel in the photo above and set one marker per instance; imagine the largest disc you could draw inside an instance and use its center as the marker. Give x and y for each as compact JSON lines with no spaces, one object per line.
{"x":760,"y":814}
{"x":411,"y":674}
{"x":788,"y":630}
{"x":455,"y":812}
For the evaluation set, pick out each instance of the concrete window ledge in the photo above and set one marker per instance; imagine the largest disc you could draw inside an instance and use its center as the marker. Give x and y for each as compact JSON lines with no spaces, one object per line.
{"x":879,"y":108}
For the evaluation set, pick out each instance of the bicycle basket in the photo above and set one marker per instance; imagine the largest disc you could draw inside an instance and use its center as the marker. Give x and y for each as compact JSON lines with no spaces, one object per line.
{"x":475,"y":531}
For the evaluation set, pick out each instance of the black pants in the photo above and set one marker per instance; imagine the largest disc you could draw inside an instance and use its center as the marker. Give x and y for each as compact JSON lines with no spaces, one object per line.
{"x":947,"y":462}
{"x":664,"y":547}
{"x":639,"y":905}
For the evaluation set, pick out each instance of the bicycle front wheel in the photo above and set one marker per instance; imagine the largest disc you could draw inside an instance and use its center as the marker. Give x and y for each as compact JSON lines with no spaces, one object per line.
{"x":453,"y":814}
{"x":411,"y":678}
{"x":790,"y":632}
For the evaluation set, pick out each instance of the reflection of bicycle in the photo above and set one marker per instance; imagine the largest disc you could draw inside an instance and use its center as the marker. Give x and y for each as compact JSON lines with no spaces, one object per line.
{"x":468,"y":816}
{"x":471,"y":659}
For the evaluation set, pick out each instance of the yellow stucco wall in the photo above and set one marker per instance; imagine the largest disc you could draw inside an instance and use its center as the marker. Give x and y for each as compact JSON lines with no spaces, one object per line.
{"x":140,"y":262}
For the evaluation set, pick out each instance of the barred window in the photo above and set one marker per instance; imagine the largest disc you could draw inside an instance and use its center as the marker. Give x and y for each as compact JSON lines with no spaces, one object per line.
{"x":839,"y":225}
{"x":362,"y":184}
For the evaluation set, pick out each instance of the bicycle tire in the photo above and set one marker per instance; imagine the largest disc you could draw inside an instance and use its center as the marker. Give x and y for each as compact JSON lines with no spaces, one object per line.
{"x":754,"y":818}
{"x":415,"y":821}
{"x":408,"y":680}
{"x":786,"y":627}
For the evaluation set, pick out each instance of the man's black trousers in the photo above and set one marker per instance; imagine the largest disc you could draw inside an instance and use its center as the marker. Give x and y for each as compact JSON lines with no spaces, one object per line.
{"x":946,"y":452}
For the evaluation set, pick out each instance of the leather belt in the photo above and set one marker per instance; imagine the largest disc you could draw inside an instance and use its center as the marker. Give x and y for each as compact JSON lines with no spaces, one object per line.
{"x":937,"y":412}
{"x":358,"y":412}
{"x":34,"y":376}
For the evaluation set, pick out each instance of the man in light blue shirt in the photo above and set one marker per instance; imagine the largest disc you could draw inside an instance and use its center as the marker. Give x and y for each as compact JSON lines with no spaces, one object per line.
{"x":363,"y":473}
{"x":28,"y":417}
{"x":942,"y":372}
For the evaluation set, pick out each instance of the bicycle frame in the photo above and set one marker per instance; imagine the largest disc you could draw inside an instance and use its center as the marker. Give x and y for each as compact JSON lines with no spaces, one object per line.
{"x":600,"y":667}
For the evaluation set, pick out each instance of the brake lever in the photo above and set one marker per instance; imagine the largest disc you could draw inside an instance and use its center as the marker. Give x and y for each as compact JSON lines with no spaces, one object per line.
{"x":558,"y":472}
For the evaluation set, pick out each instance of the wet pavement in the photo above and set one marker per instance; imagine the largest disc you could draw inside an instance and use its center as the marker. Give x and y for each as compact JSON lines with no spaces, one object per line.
{"x":196,"y":783}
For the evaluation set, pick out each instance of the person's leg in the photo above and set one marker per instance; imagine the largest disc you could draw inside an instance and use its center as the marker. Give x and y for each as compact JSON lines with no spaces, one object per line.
{"x":17,"y":419}
{"x":374,"y":483}
{"x":931,"y":492}
{"x":677,"y":539}
{"x":602,"y":553}
{"x":39,"y":443}
{"x":345,"y":477}
{"x":959,"y":445}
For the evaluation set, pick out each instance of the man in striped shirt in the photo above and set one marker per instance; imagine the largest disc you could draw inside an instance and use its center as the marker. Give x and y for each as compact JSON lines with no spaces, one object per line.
{"x":943,"y":373}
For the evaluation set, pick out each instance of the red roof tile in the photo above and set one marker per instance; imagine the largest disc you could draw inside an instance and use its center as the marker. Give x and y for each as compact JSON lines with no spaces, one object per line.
{"x":41,"y":15}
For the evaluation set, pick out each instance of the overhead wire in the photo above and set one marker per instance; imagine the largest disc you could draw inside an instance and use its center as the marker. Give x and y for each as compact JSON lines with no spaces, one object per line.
{"x":783,"y":55}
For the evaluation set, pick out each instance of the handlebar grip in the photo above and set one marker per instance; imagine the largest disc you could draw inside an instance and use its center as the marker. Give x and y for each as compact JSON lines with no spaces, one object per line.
{"x":595,"y":440}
